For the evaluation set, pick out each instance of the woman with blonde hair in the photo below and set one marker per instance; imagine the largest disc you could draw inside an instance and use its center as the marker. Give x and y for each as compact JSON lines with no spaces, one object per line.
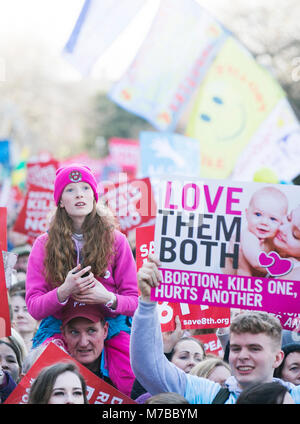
{"x":212,"y":368}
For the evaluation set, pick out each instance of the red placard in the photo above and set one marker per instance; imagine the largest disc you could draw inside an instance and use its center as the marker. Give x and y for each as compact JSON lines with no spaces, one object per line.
{"x":3,"y":228}
{"x":132,"y":202}
{"x":144,"y":241}
{"x":41,"y":173}
{"x":212,"y":344}
{"x":34,"y":215}
{"x":191,"y":316}
{"x":126,"y":153}
{"x":98,"y":391}
{"x":5,"y":325}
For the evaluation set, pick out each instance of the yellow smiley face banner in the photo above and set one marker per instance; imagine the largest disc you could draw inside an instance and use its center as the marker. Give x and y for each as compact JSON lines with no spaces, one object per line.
{"x":235,"y":97}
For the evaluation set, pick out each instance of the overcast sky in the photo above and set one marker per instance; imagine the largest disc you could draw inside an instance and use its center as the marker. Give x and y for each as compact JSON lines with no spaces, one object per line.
{"x":51,"y":22}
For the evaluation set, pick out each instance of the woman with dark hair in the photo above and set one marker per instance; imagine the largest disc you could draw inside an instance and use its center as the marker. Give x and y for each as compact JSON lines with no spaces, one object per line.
{"x":61,"y":383}
{"x":289,"y":369}
{"x":11,"y":358}
{"x":84,"y":259}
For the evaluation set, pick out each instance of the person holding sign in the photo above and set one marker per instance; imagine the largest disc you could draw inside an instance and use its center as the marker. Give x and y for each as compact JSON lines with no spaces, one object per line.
{"x":255,"y":351}
{"x":83,"y":258}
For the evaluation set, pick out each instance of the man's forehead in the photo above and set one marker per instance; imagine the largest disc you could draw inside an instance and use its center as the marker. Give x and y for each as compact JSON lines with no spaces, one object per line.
{"x":81,"y":322}
{"x":248,"y":338}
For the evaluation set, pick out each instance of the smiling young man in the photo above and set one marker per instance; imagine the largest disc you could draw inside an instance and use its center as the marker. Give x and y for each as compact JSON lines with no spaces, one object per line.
{"x":255,"y":351}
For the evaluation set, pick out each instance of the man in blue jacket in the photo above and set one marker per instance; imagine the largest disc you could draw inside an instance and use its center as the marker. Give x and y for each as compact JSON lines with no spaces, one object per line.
{"x":255,"y":351}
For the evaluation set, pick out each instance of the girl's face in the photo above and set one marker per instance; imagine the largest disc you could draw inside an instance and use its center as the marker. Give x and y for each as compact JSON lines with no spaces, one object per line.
{"x":67,"y":389}
{"x":187,"y":354}
{"x":77,"y":199}
{"x":9,"y":362}
{"x":23,"y":322}
{"x":287,"y":239}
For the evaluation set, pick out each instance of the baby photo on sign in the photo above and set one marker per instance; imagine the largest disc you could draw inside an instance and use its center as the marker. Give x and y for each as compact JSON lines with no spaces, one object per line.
{"x":270,"y":238}
{"x":230,"y":244}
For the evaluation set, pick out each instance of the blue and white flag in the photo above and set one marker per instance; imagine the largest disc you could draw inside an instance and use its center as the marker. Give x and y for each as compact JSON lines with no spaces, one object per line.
{"x":98,"y":25}
{"x":172,"y":60}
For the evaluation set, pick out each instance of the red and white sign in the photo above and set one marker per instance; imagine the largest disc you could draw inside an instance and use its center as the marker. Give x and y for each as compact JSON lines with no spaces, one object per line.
{"x":191,"y":316}
{"x":212,"y":344}
{"x":3,"y":228}
{"x":125,"y":153}
{"x":144,"y":240}
{"x":33,"y":218}
{"x":132,"y":203}
{"x":5,"y":324}
{"x":98,"y":391}
{"x":41,"y":173}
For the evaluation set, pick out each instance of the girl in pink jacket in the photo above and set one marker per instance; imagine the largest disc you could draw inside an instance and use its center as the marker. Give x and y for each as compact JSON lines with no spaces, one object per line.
{"x":84,"y":258}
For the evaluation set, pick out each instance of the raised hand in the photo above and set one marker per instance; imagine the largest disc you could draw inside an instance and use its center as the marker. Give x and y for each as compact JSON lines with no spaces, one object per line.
{"x":149,"y":276}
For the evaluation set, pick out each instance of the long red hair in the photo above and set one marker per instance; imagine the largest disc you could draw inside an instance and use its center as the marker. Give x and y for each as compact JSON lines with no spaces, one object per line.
{"x":98,"y":235}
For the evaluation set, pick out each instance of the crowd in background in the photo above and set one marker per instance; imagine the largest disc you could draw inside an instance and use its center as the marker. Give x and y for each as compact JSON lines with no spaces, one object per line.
{"x":116,"y":341}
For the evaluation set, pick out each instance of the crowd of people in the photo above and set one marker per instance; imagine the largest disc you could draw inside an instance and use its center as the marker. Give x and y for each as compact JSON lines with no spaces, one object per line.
{"x":78,"y":288}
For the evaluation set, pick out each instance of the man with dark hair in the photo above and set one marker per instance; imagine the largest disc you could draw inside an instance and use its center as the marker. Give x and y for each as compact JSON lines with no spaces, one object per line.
{"x":85,"y":330}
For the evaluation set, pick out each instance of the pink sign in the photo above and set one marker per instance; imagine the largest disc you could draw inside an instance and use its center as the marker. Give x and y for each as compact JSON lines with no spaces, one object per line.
{"x":228,"y":244}
{"x":125,"y":153}
{"x":231,"y":291}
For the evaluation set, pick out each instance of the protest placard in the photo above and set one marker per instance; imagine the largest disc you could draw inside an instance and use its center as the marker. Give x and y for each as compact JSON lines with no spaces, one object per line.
{"x":33,"y":218}
{"x":41,"y":173}
{"x":224,"y":243}
{"x":125,"y":153}
{"x":191,"y":316}
{"x":98,"y":391}
{"x":212,"y":344}
{"x":5,"y":325}
{"x":3,"y":228}
{"x":144,"y":242}
{"x":132,"y":203}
